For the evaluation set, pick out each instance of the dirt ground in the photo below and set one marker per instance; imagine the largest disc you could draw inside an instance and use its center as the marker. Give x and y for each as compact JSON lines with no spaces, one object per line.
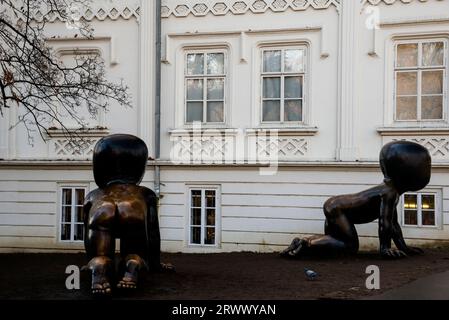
{"x":232,"y":276}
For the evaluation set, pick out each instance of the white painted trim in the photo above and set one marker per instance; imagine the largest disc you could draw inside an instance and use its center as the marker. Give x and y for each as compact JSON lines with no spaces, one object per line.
{"x":203,"y":188}
{"x":147,"y":98}
{"x":59,"y":213}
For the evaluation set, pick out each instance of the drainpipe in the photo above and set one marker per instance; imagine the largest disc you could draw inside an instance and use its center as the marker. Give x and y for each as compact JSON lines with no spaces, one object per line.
{"x":157,"y":126}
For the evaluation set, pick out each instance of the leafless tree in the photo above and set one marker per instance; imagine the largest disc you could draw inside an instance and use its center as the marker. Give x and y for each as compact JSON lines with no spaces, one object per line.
{"x":33,"y":78}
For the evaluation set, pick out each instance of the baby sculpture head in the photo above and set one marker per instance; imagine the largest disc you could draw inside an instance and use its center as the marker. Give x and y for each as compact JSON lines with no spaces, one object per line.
{"x":119,"y":158}
{"x":406,"y":164}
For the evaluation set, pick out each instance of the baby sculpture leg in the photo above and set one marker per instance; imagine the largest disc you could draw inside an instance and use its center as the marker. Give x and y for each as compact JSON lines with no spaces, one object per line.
{"x":340,"y":236}
{"x":100,"y":246}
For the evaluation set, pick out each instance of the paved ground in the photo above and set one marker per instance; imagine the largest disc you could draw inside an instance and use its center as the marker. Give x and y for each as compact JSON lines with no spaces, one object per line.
{"x":232,"y":276}
{"x":433,"y":287}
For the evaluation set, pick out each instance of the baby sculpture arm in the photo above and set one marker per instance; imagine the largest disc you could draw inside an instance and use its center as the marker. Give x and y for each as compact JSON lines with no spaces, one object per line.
{"x":388,"y":228}
{"x":398,"y":238}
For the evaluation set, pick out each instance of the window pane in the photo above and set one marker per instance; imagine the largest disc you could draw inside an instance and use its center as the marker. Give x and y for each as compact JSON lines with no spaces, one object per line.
{"x":79,"y":214}
{"x":215,"y":89}
{"x":196,"y":217}
{"x":271,"y":111}
{"x":215,"y":63}
{"x":195,"y":63}
{"x":293,"y":110}
{"x":194,"y":111}
{"x":272,"y":87}
{"x":79,"y":197}
{"x":410,"y":209}
{"x":209,"y":236}
{"x":411,"y":217}
{"x":66,"y":213}
{"x":406,"y":108}
{"x":272,"y":61}
{"x":79,"y":232}
{"x":196,"y":198}
{"x":215,"y":112}
{"x":294,"y":60}
{"x":428,"y":218}
{"x":432,"y":82}
{"x":433,"y":54}
{"x":194,"y":89}
{"x":428,"y":202}
{"x":407,"y":55}
{"x":432,"y":108}
{"x":407,"y":83}
{"x":195,"y":235}
{"x":293,"y":87}
{"x":67,"y":196}
{"x":210,"y":217}
{"x":210,"y":198}
{"x":65,"y":232}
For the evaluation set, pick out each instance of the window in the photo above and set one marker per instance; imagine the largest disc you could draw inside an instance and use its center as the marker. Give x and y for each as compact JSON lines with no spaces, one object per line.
{"x":420,"y":75}
{"x":419,"y":209}
{"x":72,"y":215}
{"x":283,"y":73}
{"x":203,"y":217}
{"x":205,"y":81}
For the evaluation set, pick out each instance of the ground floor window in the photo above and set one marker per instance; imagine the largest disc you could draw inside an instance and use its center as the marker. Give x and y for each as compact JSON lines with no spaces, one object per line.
{"x":203,"y":216}
{"x":420,"y":209}
{"x":72,"y":215}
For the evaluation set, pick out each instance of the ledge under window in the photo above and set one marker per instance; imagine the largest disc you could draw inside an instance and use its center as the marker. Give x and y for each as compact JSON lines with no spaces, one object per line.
{"x":285,"y":131}
{"x":416,"y":131}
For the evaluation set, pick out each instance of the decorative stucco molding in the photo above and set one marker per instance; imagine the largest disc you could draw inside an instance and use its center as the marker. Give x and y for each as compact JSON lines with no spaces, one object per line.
{"x":96,"y":9}
{"x":377,"y":2}
{"x":438,"y":146}
{"x":182,"y":8}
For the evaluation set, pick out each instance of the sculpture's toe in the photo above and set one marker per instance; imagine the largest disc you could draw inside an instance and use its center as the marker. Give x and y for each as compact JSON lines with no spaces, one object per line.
{"x":129,"y":281}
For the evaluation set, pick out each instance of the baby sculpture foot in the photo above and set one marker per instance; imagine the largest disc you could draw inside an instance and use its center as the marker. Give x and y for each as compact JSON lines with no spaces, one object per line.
{"x":134,"y":264}
{"x":295,"y":248}
{"x":100,"y":267}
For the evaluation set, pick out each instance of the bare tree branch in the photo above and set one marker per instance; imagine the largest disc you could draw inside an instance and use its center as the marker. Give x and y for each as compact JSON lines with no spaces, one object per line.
{"x":33,"y":78}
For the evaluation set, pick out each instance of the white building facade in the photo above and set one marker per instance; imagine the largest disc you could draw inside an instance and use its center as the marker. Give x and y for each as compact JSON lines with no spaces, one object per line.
{"x":266,"y":108}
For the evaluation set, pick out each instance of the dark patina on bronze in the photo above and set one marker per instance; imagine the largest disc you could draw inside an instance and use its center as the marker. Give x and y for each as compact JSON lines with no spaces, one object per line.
{"x":121,"y":209}
{"x":406,"y":167}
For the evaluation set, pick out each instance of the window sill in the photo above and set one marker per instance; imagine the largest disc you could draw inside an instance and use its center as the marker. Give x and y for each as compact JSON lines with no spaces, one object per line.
{"x":203,"y":130}
{"x":284,"y":131}
{"x":89,"y":132}
{"x":417,"y":131}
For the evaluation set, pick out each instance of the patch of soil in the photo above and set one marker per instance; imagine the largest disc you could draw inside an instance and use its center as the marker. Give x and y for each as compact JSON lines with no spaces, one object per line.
{"x":226,"y":276}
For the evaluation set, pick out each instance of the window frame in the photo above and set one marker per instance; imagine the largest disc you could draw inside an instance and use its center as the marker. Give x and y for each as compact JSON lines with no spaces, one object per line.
{"x":282,"y":74}
{"x":437,"y":197}
{"x":419,"y":70}
{"x":72,"y":211}
{"x":204,"y":77}
{"x":203,"y":226}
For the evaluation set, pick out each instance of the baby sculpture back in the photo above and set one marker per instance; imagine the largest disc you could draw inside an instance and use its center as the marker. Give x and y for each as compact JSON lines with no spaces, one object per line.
{"x":120,"y":208}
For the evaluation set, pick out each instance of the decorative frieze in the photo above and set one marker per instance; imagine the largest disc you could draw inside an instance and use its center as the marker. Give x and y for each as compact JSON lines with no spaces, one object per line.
{"x":78,"y":147}
{"x":98,"y":9}
{"x":282,"y":148}
{"x":438,"y":146}
{"x":182,"y":8}
{"x":377,"y":2}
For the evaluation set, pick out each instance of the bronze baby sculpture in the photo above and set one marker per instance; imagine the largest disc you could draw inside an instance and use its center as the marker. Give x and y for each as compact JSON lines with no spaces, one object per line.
{"x":120,"y":208}
{"x":406,"y":167}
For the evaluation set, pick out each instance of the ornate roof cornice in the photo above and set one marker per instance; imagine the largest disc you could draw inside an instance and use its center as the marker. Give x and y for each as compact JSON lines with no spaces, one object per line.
{"x":183,"y":8}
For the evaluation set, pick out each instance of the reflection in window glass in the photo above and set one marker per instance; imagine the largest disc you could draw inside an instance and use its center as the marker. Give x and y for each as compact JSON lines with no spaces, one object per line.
{"x":425,"y":101}
{"x":282,"y":85}
{"x":72,"y":214}
{"x":205,"y":87}
{"x":419,"y":209}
